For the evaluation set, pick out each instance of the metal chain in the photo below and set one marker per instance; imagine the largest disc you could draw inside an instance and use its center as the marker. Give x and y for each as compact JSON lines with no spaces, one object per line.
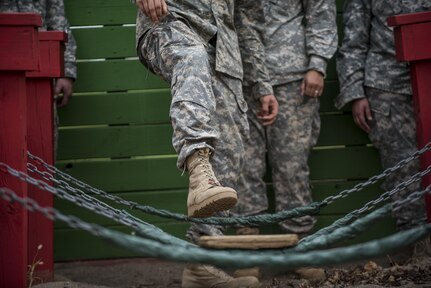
{"x":376,"y":178}
{"x":410,"y":198}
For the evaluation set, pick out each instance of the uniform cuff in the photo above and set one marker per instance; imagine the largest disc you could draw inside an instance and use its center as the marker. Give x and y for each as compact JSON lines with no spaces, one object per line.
{"x":262,"y":89}
{"x":318,"y":63}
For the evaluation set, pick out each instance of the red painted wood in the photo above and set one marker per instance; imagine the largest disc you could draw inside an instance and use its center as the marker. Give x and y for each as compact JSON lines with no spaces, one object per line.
{"x":19,"y":43}
{"x":413,"y":42}
{"x":19,"y":50}
{"x":51,"y":47}
{"x":41,"y":143}
{"x":13,"y":149}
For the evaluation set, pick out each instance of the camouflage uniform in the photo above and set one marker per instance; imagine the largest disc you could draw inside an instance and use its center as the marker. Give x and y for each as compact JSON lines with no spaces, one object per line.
{"x":367,"y":67}
{"x":195,"y":49}
{"x":53,"y":18}
{"x":297,"y":36}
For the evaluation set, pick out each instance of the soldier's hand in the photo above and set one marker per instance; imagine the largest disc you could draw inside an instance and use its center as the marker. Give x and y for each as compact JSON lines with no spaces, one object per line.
{"x":154,"y":9}
{"x":362,"y":113}
{"x":269,"y":109}
{"x":63,"y":86}
{"x":312,"y":84}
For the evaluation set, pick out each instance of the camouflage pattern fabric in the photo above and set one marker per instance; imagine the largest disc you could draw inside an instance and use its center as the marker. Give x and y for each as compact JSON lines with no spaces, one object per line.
{"x":300,"y":36}
{"x":367,"y":67}
{"x":207,"y":108}
{"x":53,"y":18}
{"x":287,"y":143}
{"x":393,"y":132}
{"x":294,"y":37}
{"x":367,"y":54}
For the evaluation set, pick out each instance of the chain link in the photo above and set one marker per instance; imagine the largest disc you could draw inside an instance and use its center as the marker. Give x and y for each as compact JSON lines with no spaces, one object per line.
{"x":376,"y":178}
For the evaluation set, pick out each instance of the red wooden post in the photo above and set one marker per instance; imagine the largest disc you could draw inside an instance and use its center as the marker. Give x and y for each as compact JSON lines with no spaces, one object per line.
{"x":40,"y":142}
{"x":18,"y":54}
{"x":413,"y":44}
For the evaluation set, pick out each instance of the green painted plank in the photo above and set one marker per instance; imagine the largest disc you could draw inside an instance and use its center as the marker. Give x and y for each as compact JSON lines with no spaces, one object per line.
{"x":341,"y":130}
{"x":171,"y":200}
{"x":175,"y":201}
{"x":100,"y":12}
{"x":115,"y":75}
{"x":72,"y":244}
{"x":123,"y":141}
{"x":105,"y":42}
{"x":150,"y":173}
{"x":344,"y":163}
{"x":142,"y":107}
{"x":157,"y":173}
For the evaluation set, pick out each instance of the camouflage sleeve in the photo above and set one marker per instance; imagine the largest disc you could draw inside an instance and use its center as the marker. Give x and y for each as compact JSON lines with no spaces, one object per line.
{"x":320,"y":33}
{"x":56,"y":20}
{"x":249,"y":23}
{"x":353,"y":52}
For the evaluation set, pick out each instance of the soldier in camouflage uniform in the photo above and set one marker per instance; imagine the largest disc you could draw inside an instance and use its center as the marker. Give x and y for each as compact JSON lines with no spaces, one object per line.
{"x":53,"y":18}
{"x":193,"y":45}
{"x":380,"y":92}
{"x":300,"y":36}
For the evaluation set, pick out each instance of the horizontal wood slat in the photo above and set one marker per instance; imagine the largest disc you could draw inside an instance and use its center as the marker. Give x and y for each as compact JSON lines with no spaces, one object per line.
{"x":154,"y":173}
{"x":175,"y":201}
{"x":122,"y":141}
{"x":100,"y":12}
{"x":143,"y":107}
{"x":115,"y":75}
{"x":105,"y":42}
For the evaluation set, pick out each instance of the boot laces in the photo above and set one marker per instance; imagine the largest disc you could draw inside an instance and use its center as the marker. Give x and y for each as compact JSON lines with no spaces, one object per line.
{"x":207,"y":169}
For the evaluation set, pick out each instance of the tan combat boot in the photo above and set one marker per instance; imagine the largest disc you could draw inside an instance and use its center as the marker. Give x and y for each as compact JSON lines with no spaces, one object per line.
{"x":205,"y":276}
{"x":206,"y":195}
{"x":253,"y":271}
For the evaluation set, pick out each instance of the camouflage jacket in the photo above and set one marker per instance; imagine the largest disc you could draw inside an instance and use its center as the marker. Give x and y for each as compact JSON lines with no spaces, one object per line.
{"x":248,"y":18}
{"x":53,"y":18}
{"x":207,"y":18}
{"x":367,"y":54}
{"x":301,"y":35}
{"x":298,"y":35}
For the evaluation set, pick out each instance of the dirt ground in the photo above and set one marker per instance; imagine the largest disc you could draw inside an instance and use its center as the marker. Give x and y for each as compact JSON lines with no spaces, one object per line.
{"x":142,"y":273}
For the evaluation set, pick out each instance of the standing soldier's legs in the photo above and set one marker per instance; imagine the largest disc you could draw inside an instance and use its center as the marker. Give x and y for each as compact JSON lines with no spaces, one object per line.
{"x":252,"y":197}
{"x":290,"y":140}
{"x":393,"y":132}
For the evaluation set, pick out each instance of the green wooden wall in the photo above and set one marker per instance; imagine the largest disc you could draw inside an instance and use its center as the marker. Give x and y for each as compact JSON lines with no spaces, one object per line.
{"x":115,"y":135}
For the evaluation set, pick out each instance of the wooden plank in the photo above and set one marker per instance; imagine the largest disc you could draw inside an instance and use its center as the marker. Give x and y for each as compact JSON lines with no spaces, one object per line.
{"x":137,"y":140}
{"x":115,"y":75}
{"x":79,"y":245}
{"x":149,"y":173}
{"x":274,"y":241}
{"x":341,"y":130}
{"x":171,"y":200}
{"x":141,"y":107}
{"x":100,"y":12}
{"x":73,"y":244}
{"x":155,"y":173}
{"x":105,"y":42}
{"x":124,"y":141}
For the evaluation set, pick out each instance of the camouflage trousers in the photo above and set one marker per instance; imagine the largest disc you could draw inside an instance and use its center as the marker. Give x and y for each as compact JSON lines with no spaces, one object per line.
{"x":207,"y":108}
{"x":393,"y":132}
{"x":286,"y":144}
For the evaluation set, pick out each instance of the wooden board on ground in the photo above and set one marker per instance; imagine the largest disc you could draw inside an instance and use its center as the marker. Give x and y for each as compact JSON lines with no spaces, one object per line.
{"x":249,"y":241}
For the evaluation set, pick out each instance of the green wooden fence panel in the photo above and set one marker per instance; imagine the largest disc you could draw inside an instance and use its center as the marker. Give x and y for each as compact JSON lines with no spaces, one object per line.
{"x":100,"y":12}
{"x":160,"y":172}
{"x":122,"y":141}
{"x":116,"y":141}
{"x":141,"y":107}
{"x":115,"y":75}
{"x":105,"y":42}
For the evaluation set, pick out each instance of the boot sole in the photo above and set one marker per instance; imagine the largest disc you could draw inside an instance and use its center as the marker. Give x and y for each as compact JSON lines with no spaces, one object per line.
{"x":221,"y":202}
